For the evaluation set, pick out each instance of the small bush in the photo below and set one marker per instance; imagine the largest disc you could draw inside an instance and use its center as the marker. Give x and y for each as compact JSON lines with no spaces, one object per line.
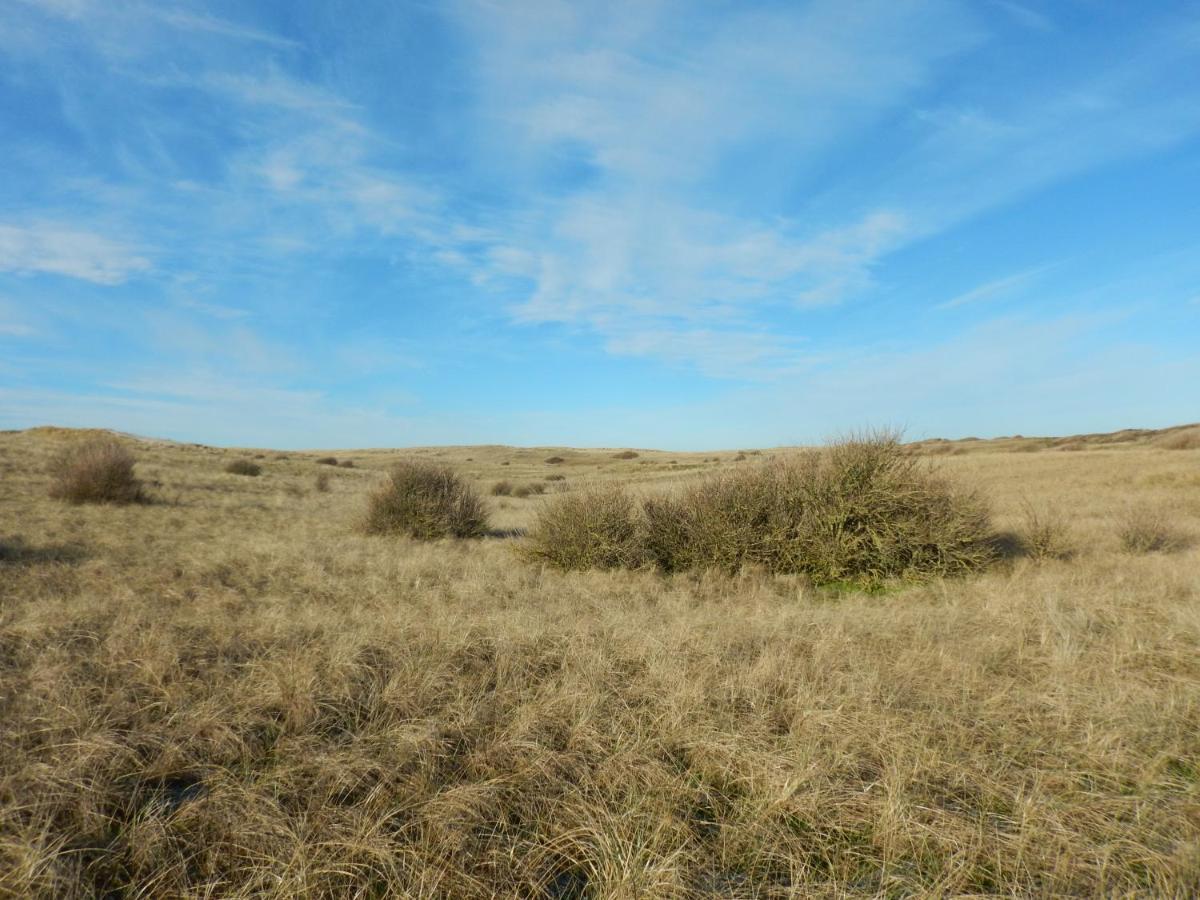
{"x":243,"y":467}
{"x":346,"y":463}
{"x":502,"y":489}
{"x":596,"y":529}
{"x":526,"y":490}
{"x":327,"y":461}
{"x":555,"y":478}
{"x":554,"y":460}
{"x":1044,"y":534}
{"x":426,"y":502}
{"x":1146,"y":530}
{"x":321,"y":483}
{"x":96,"y":470}
{"x":625,"y":454}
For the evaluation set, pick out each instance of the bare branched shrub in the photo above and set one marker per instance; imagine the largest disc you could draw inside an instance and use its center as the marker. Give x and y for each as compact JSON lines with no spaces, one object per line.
{"x":595,"y":529}
{"x":1144,"y":529}
{"x":96,"y":470}
{"x":243,"y":467}
{"x":427,"y":502}
{"x":502,"y":489}
{"x":862,"y":510}
{"x":1044,"y":534}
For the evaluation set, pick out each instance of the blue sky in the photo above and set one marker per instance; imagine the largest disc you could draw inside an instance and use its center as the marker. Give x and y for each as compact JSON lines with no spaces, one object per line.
{"x":681,"y":224}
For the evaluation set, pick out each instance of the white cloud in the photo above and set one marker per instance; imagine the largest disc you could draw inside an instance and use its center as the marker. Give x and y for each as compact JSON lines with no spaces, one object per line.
{"x":53,"y":248}
{"x":996,"y":287}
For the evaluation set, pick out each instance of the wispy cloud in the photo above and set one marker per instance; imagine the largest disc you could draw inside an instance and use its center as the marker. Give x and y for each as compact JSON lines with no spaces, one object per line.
{"x":59,"y":249}
{"x":997,"y":287}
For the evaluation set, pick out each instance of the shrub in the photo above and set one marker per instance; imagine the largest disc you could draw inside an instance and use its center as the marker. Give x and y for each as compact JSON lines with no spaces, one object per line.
{"x":555,"y":478}
{"x":625,"y":454}
{"x":1146,"y":530}
{"x":861,"y":510}
{"x":96,"y":470}
{"x":595,"y":529}
{"x":526,"y":489}
{"x":555,"y":460}
{"x":327,"y":461}
{"x":502,"y":489}
{"x":1044,"y":534}
{"x":426,"y":502}
{"x":321,"y":483}
{"x":346,"y":463}
{"x":243,"y":467}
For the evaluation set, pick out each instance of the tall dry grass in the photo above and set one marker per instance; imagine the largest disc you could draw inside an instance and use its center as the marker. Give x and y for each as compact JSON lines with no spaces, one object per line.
{"x":238,"y":694}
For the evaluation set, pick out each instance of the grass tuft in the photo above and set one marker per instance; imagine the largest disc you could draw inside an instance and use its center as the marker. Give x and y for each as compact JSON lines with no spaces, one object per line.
{"x":1044,"y":534}
{"x":1144,"y":529}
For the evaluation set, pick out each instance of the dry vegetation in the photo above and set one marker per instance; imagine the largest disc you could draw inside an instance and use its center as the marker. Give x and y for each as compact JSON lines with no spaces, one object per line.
{"x":234,"y":691}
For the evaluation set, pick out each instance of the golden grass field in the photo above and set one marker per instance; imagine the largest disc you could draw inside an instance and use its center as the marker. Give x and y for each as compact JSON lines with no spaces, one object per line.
{"x":233,"y":692}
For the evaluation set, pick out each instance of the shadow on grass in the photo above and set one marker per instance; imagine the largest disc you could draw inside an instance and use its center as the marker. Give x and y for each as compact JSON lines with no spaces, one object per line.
{"x":506,"y":533}
{"x":14,"y":551}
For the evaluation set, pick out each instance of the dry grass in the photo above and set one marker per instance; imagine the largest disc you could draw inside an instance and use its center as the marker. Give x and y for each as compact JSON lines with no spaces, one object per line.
{"x":237,"y":694}
{"x":1044,"y":533}
{"x":1146,"y":529}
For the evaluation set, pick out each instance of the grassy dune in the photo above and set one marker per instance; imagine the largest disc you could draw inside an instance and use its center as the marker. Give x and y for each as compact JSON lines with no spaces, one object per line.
{"x":231,"y":691}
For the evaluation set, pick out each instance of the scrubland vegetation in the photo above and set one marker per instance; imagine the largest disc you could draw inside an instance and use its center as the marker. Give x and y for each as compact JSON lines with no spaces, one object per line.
{"x":683,"y":681}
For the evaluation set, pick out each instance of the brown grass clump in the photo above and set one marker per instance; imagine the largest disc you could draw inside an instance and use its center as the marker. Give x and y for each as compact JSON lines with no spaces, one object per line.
{"x":1145,"y":529}
{"x":554,"y":460}
{"x":243,"y":467}
{"x":321,"y":483}
{"x":96,"y":470}
{"x":593,"y":529}
{"x":555,"y":477}
{"x":526,"y":490}
{"x":626,"y":454}
{"x":346,"y":463}
{"x":502,"y":489}
{"x":426,"y":502}
{"x":1044,"y":534}
{"x":327,"y":461}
